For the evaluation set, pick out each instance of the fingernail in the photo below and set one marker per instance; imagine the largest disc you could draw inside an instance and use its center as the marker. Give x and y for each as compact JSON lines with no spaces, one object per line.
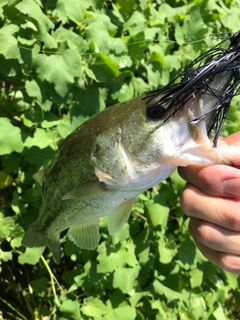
{"x":231,"y":187}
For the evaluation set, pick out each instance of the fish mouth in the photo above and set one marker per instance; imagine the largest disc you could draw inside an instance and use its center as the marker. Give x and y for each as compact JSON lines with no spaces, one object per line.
{"x":211,"y":81}
{"x":194,"y":112}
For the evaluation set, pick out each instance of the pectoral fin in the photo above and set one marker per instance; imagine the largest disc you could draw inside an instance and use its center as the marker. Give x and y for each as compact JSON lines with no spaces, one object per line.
{"x":87,"y":190}
{"x":119,"y":216}
{"x":85,"y":236}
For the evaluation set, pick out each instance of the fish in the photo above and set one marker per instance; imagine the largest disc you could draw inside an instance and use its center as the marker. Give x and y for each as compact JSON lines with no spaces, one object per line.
{"x":104,"y":164}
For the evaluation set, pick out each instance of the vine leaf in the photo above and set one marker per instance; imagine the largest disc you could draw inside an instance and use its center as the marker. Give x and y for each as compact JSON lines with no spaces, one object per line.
{"x":60,"y":70}
{"x":11,"y":140}
{"x":41,"y":21}
{"x":8,"y":42}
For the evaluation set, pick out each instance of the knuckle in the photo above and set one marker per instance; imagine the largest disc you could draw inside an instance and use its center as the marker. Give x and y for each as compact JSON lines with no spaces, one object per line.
{"x":234,"y":219}
{"x":202,"y":234}
{"x":230,"y":263}
{"x":187,"y":199}
{"x":184,"y":200}
{"x":201,"y":231}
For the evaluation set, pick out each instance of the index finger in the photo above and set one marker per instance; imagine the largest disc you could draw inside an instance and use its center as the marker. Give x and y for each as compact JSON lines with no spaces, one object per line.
{"x":230,"y":147}
{"x":218,"y":180}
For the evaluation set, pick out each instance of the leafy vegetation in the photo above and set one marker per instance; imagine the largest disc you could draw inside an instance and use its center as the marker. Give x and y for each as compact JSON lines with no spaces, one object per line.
{"x":61,"y":62}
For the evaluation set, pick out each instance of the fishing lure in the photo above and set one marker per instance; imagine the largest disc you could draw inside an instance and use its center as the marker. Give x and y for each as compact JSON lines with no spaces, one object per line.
{"x":196,"y":78}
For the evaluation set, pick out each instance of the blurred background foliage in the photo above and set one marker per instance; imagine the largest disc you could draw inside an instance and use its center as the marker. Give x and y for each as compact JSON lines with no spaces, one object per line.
{"x":61,"y":61}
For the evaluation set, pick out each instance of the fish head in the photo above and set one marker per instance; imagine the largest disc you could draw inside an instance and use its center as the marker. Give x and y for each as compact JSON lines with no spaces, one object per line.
{"x":155,"y":134}
{"x":149,"y":142}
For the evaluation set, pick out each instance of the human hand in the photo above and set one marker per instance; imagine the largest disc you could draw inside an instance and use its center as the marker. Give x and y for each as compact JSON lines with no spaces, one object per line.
{"x":211,"y":198}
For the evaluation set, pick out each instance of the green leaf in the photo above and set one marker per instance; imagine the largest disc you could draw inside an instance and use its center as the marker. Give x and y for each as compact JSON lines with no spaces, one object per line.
{"x":106,"y":263}
{"x":229,"y":17}
{"x":42,"y":22}
{"x":10,"y":67}
{"x":196,"y":278}
{"x":121,"y":313}
{"x":187,"y":251}
{"x":93,"y":307}
{"x":31,"y":256}
{"x":166,"y":11}
{"x":193,"y":27}
{"x":177,"y":180}
{"x":5,"y":256}
{"x":17,"y":236}
{"x":19,"y":102}
{"x":8,"y":43}
{"x":41,"y":139}
{"x":66,"y":126}
{"x":122,"y":91}
{"x":104,"y":68}
{"x":220,"y":314}
{"x":59,"y":69}
{"x":100,"y":32}
{"x":167,"y":251}
{"x":197,"y":306}
{"x":121,"y":235}
{"x":123,"y":61}
{"x":37,"y":156}
{"x":135,"y":24}
{"x":137,"y":47}
{"x":129,"y":275}
{"x":78,"y":43}
{"x":50,"y":120}
{"x":33,"y":89}
{"x":232,"y":280}
{"x":5,"y":180}
{"x":160,"y":307}
{"x":157,"y":75}
{"x":6,"y":225}
{"x":10,"y":137}
{"x":3,"y":3}
{"x":168,"y":293}
{"x":124,"y":256}
{"x":71,"y":308}
{"x":157,"y":214}
{"x":157,"y":57}
{"x":39,"y":285}
{"x":72,"y":9}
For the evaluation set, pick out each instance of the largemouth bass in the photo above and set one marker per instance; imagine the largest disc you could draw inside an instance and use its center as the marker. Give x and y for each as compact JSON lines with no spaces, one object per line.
{"x":103,"y":165}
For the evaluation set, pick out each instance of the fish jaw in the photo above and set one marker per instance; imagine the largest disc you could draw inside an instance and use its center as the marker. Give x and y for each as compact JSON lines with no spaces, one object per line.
{"x":191,"y":146}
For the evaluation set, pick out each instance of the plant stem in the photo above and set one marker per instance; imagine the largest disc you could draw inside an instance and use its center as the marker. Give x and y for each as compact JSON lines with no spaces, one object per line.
{"x":52,"y":279}
{"x":12,"y":308}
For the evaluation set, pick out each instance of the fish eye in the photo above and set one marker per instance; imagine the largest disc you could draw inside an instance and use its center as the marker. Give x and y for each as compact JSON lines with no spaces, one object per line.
{"x":155,"y":111}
